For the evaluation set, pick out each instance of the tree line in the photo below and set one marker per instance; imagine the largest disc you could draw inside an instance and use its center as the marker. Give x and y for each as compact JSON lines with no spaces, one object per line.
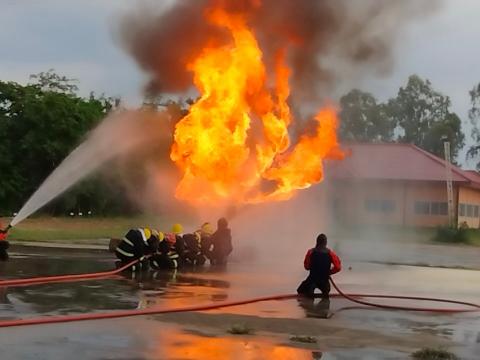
{"x":43,"y":121}
{"x":40,"y":124}
{"x":418,"y":115}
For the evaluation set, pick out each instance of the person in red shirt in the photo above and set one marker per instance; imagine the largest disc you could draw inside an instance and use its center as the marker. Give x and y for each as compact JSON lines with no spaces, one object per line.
{"x":4,"y":244}
{"x":3,"y":233}
{"x":321,"y":262}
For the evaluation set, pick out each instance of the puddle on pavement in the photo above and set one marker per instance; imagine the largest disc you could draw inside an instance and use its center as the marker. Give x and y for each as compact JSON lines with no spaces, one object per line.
{"x":186,"y":346}
{"x":140,"y":339}
{"x":174,"y":289}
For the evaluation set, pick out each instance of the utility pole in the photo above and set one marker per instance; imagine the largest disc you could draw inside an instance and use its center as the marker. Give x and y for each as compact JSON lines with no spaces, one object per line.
{"x":448,"y":170}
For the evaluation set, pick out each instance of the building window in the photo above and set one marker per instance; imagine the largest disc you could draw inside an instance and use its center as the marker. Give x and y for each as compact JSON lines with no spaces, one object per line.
{"x":371,"y":205}
{"x":384,"y":206}
{"x":469,"y":210}
{"x":430,"y":208}
{"x":388,"y":206}
{"x":422,"y":207}
{"x":443,"y":208}
{"x":462,"y":210}
{"x":438,"y":208}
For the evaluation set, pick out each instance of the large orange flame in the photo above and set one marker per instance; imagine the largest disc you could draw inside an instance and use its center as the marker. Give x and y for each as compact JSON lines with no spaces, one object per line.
{"x":234,"y":144}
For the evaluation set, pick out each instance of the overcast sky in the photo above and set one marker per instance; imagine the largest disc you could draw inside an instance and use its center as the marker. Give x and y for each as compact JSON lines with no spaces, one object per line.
{"x":75,"y":38}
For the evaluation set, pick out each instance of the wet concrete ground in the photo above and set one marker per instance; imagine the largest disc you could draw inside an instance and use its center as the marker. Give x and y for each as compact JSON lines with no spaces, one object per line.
{"x":376,"y":249}
{"x":356,"y":333}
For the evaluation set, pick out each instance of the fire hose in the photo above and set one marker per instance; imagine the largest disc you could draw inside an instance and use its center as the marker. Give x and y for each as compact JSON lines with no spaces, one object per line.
{"x":66,"y":278}
{"x":356,"y":298}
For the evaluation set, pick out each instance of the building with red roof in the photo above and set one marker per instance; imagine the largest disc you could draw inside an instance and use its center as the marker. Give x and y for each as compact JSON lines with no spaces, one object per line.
{"x":399,"y":184}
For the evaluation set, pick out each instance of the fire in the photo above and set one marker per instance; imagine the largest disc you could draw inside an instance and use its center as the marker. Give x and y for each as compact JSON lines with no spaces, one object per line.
{"x":234,"y":145}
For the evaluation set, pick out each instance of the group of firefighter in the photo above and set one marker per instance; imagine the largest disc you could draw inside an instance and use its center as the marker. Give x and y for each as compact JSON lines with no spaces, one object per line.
{"x":174,"y":249}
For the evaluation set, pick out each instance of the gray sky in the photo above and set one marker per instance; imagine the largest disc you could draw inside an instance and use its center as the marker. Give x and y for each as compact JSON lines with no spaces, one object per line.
{"x":75,"y":38}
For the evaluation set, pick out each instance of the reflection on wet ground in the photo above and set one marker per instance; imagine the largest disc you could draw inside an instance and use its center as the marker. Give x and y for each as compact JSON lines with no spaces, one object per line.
{"x":127,"y":291}
{"x":188,"y":346}
{"x":141,"y":339}
{"x":174,"y":289}
{"x":315,"y":308}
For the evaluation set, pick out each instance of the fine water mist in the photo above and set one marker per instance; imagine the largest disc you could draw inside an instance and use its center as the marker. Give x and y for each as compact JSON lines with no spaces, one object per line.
{"x":280,"y":233}
{"x":119,"y":134}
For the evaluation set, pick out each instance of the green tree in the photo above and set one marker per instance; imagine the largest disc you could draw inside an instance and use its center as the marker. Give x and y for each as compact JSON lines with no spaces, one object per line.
{"x":474,"y":116}
{"x":40,"y":124}
{"x":51,"y":81}
{"x":363,"y":119}
{"x":424,"y":117}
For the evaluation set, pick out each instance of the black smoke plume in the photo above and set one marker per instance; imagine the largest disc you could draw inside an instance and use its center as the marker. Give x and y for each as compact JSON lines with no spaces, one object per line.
{"x":327,"y":40}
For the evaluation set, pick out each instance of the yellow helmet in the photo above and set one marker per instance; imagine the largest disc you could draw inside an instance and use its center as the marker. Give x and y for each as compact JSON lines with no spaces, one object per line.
{"x":177,"y":229}
{"x":207,"y":228}
{"x":153,"y":232}
{"x":147,"y":233}
{"x":160,"y":235}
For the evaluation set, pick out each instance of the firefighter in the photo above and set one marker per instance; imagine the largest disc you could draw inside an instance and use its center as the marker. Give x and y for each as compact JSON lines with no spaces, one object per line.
{"x":4,"y":244}
{"x":170,"y":250}
{"x":193,"y":249}
{"x":321,"y":262}
{"x":137,"y":244}
{"x":166,"y":257}
{"x":177,"y":229}
{"x":221,"y":243}
{"x":178,"y":242}
{"x":205,"y":233}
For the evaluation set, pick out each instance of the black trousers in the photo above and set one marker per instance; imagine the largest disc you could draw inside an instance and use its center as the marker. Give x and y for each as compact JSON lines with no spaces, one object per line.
{"x":4,"y":245}
{"x":163,"y":261}
{"x":191,"y":259}
{"x":308,"y":286}
{"x":124,"y":260}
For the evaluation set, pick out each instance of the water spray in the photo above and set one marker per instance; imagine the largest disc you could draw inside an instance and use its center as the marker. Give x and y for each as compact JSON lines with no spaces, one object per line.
{"x":134,"y":128}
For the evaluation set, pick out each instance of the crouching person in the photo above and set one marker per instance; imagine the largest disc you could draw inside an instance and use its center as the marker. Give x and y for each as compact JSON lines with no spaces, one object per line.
{"x":4,"y":244}
{"x":321,"y":262}
{"x":167,"y":255}
{"x":136,"y":245}
{"x":193,"y":251}
{"x":205,"y":235}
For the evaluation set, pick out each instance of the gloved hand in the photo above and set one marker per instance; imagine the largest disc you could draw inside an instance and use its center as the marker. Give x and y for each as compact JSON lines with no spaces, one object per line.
{"x":4,"y":231}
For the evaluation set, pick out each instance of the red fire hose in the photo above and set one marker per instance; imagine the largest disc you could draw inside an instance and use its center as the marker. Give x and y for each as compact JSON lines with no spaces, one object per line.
{"x":65,"y":278}
{"x":357,"y":298}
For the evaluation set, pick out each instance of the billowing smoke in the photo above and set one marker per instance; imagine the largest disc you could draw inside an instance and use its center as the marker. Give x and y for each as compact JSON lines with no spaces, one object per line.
{"x":328,"y":41}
